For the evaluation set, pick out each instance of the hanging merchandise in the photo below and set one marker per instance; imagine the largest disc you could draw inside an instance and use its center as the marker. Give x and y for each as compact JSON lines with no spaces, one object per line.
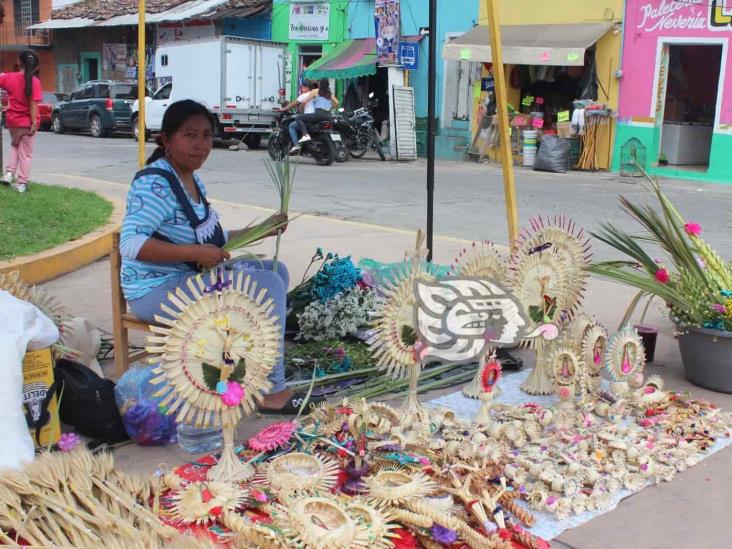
{"x":386,"y":18}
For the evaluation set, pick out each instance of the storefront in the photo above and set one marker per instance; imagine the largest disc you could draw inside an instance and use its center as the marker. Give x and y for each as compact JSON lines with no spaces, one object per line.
{"x":311,"y":29}
{"x":676,"y":89}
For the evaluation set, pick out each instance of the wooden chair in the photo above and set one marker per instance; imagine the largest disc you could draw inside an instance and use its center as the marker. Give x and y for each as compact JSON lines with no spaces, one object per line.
{"x":122,"y":319}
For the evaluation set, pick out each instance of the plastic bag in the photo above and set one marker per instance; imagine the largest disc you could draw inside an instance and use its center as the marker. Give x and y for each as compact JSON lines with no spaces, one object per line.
{"x":145,"y":421}
{"x":553,"y":155}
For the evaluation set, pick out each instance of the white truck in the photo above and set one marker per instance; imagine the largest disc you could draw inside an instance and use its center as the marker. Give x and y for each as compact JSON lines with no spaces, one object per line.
{"x":241,"y":81}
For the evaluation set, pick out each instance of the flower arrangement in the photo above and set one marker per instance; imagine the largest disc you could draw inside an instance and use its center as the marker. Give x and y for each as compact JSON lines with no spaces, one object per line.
{"x":693,"y":280}
{"x":333,"y":302}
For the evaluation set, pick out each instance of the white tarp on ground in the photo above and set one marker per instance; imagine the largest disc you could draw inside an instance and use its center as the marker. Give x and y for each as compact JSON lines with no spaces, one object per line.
{"x":22,"y":326}
{"x":547,"y":525}
{"x":560,"y":45}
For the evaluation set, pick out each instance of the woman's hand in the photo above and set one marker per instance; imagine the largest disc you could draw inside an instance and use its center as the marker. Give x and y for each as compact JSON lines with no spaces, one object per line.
{"x":208,"y":255}
{"x":276,"y":219}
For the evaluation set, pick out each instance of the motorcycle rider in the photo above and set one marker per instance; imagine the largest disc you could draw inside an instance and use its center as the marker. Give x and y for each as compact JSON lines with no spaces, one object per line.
{"x":323,"y":101}
{"x":302,"y":103}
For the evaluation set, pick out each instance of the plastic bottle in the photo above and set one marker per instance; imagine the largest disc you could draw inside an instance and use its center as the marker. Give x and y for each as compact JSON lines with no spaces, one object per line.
{"x":199,"y":441}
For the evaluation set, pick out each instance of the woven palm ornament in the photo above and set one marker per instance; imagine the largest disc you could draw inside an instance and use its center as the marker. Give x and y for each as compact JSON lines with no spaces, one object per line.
{"x":214,"y":355}
{"x":394,"y":341}
{"x":626,"y":359}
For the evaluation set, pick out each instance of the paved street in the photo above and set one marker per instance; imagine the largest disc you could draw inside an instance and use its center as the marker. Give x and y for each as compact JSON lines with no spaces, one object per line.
{"x":469,"y":197}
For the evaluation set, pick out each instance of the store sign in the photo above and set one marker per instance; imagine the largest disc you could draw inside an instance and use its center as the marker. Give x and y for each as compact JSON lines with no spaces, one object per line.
{"x":309,"y":21}
{"x":674,"y":15}
{"x":386,"y":18}
{"x":720,"y":15}
{"x":167,"y":33}
{"x":409,"y":55}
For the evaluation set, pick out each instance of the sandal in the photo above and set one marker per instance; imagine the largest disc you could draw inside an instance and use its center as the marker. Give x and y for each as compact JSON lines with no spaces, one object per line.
{"x":293,"y":405}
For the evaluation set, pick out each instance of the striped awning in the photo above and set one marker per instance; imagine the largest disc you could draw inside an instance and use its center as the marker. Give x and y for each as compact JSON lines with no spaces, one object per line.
{"x":349,"y":59}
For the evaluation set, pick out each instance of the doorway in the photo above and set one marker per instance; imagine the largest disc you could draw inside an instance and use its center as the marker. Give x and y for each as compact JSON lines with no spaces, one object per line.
{"x":91,"y":64}
{"x":689,"y":88}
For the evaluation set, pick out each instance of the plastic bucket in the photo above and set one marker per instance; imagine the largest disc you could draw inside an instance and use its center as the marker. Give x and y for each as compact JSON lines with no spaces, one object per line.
{"x":707,"y":358}
{"x":649,"y":335}
{"x":529,"y":157}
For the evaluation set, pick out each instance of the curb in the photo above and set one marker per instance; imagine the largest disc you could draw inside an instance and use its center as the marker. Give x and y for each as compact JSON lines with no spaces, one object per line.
{"x":65,"y":258}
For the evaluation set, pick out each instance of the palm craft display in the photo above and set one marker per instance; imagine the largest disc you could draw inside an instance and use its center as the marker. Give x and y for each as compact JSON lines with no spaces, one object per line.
{"x":394,"y":342}
{"x":542,"y":284}
{"x":482,"y":260}
{"x":625,"y":360}
{"x":561,"y":236}
{"x":214,"y":356}
{"x":594,"y":347}
{"x":567,"y":370}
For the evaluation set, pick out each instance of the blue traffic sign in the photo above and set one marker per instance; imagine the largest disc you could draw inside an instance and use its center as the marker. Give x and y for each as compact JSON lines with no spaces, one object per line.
{"x":409,"y":55}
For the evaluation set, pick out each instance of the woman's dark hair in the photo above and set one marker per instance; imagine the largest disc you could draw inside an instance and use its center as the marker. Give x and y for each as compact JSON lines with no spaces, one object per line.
{"x":324,"y":88}
{"x":29,"y":62}
{"x":175,"y":116}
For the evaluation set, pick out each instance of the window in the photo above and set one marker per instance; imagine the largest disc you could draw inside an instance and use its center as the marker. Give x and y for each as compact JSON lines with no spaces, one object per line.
{"x":102,"y":91}
{"x":164,"y":60}
{"x":164,"y":92}
{"x":87,"y":93}
{"x":124,"y":91}
{"x":27,"y":13}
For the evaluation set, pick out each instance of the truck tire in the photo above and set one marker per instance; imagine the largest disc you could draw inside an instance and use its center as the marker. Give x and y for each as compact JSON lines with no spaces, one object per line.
{"x":325,"y":155}
{"x":96,"y":126}
{"x":253,"y":141}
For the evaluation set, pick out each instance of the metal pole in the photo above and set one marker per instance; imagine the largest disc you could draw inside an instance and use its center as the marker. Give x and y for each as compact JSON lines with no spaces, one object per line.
{"x":141,"y":75}
{"x":499,"y":78}
{"x":431,"y":85}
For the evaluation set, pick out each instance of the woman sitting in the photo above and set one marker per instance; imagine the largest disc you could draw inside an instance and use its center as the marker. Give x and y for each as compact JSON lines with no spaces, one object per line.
{"x":323,"y":100}
{"x":170,"y":231}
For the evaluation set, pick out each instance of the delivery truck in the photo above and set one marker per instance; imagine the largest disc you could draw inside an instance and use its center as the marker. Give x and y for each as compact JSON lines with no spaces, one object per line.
{"x":240,"y":81}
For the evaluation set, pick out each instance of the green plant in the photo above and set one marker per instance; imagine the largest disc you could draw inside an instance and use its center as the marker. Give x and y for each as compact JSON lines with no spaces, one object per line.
{"x":282,"y":174}
{"x":697,"y":287}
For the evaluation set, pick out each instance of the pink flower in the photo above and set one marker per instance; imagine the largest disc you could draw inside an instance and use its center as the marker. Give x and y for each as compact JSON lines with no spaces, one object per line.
{"x":261,"y":497}
{"x":719,"y":308}
{"x":234,"y":394}
{"x":692,"y":229}
{"x":663,"y":276}
{"x":564,"y":393}
{"x":68,"y":442}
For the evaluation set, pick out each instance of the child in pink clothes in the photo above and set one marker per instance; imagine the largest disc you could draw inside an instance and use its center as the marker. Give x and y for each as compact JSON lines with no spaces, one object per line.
{"x":22,"y":118}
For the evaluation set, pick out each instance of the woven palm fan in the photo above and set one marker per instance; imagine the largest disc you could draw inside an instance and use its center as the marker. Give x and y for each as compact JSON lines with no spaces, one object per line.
{"x":594,"y":346}
{"x":394,"y":486}
{"x":204,"y":502}
{"x":541,"y":284}
{"x":13,"y":283}
{"x":314,"y":522}
{"x":299,"y":472}
{"x":394,"y":341}
{"x":559,"y":235}
{"x":567,"y":370}
{"x":379,"y":524}
{"x":214,"y":357}
{"x":625,"y":360}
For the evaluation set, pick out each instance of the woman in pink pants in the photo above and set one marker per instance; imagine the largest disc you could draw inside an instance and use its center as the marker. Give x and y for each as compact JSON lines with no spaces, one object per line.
{"x":21,"y":118}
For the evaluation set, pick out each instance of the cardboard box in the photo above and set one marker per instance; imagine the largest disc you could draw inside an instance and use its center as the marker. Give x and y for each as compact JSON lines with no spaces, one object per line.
{"x":37,"y":379}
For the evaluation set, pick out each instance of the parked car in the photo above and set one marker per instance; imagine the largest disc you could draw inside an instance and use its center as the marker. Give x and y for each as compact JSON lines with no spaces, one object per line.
{"x":45,"y":107}
{"x":100,"y":106}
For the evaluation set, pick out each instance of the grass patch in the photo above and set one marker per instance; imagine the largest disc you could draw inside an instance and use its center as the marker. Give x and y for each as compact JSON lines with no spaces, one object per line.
{"x":46,"y":216}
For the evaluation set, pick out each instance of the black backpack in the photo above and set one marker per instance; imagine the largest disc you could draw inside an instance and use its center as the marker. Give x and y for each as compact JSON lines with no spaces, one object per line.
{"x":87,"y":402}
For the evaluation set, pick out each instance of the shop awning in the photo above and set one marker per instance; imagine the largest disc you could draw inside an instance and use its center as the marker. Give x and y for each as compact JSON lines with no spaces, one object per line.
{"x":349,"y":59}
{"x":562,"y":45}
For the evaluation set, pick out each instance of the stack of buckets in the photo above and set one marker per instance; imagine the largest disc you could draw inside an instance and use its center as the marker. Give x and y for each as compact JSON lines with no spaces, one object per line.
{"x":531,"y":146}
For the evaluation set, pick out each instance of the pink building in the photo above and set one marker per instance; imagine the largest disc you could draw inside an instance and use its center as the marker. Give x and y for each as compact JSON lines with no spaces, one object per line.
{"x":676,"y":87}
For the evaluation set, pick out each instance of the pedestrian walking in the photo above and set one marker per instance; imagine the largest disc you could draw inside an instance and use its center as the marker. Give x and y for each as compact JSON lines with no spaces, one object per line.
{"x":22,"y":117}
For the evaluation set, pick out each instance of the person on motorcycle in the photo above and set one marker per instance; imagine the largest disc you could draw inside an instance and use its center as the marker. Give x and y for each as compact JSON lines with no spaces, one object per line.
{"x":303,"y":104}
{"x":323,"y":101}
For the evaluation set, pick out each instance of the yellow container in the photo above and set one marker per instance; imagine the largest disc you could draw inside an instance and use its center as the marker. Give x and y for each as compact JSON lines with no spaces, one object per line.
{"x":37,"y":380}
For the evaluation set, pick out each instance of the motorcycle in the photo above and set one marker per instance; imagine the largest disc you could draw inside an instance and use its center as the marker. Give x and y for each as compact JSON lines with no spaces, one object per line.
{"x":321,"y":147}
{"x":358,"y":131}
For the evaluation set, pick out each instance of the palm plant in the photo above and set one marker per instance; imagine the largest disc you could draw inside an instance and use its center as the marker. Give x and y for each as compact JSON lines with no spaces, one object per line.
{"x":282,"y":174}
{"x":700,"y":281}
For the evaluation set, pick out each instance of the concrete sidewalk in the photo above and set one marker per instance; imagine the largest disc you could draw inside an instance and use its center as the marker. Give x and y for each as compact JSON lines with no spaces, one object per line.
{"x":689,"y":512}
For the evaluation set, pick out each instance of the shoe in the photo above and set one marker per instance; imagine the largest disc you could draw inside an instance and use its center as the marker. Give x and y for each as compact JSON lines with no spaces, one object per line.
{"x":20,"y":187}
{"x":8,"y":179}
{"x":295,"y":150}
{"x":304,"y":139}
